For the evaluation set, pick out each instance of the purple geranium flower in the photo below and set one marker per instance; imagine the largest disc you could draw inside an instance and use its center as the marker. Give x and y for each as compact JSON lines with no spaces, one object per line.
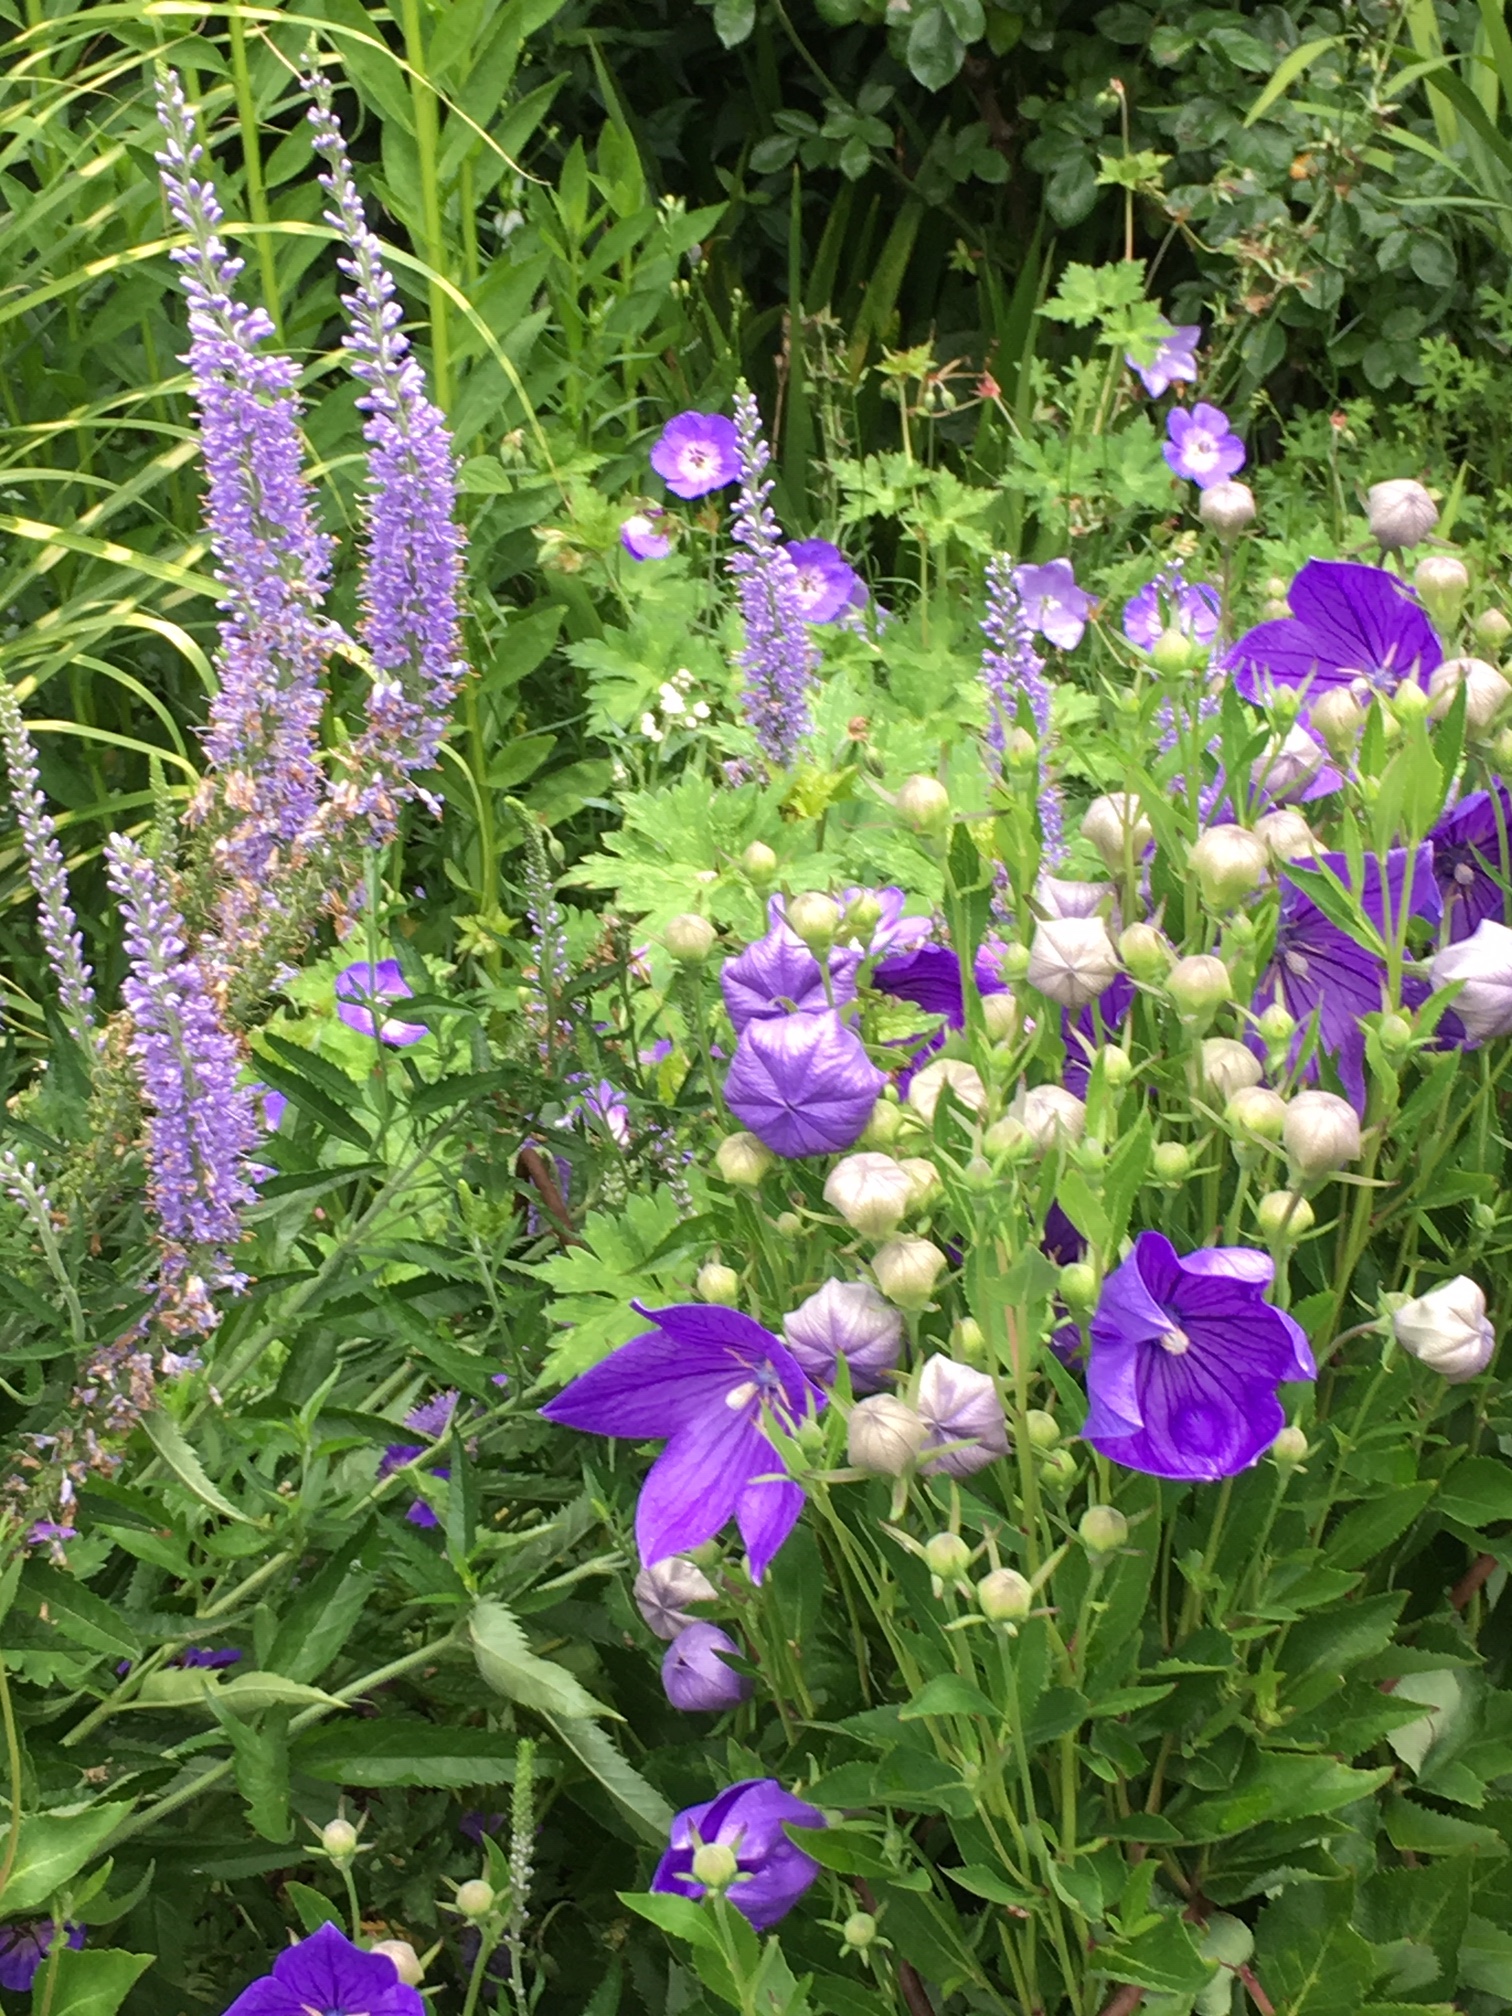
{"x":701,"y":1379}
{"x":361,"y":986}
{"x":1351,"y":626}
{"x":695,"y":1675}
{"x":23,"y":1948}
{"x":751,"y":1820}
{"x":327,"y":1973}
{"x":827,"y":582}
{"x":1192,"y":607}
{"x":1185,"y":1361}
{"x":1200,"y":446}
{"x":803,"y":1084}
{"x":1053,"y":604}
{"x":1470,"y":862}
{"x":1175,"y":359}
{"x":778,"y":974}
{"x":697,"y":453}
{"x":640,"y":538}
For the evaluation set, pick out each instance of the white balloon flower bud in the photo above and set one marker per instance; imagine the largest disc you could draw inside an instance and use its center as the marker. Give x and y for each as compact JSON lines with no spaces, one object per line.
{"x":1005,"y":1596}
{"x":1284,"y":1215}
{"x":1002,"y":1016}
{"x":884,"y":1125}
{"x":1482,"y":964}
{"x":871,"y":1192}
{"x":1447,"y":1329}
{"x":475,"y":1899}
{"x":1442,"y":583}
{"x":1072,"y":960}
{"x":1228,"y":1066}
{"x":1491,"y":629}
{"x":1146,"y":953}
{"x":815,"y":918}
{"x":759,"y":864}
{"x":1338,"y":717}
{"x":1256,"y":1110}
{"x":406,"y":1960}
{"x":1227,"y":509}
{"x":690,"y":939}
{"x":1289,"y":1448}
{"x":1103,"y":1529}
{"x":923,"y":1177}
{"x":907,"y":1269}
{"x":884,"y":1435}
{"x":947,"y":1555}
{"x":924,"y":804}
{"x":1117,"y":828}
{"x":339,"y":1840}
{"x":1486,"y":691}
{"x":743,"y":1159}
{"x":954,"y":1074}
{"x":718,"y":1284}
{"x":664,"y":1589}
{"x":1288,"y":764}
{"x":1229,"y":863}
{"x":1199,"y":985}
{"x":1322,"y":1132}
{"x":1051,"y":1116}
{"x":1286,"y":834}
{"x":1401,"y":514}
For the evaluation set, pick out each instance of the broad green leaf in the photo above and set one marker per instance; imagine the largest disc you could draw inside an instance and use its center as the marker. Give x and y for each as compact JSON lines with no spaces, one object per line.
{"x":313,"y":1909}
{"x":170,"y":1442}
{"x":1309,"y":1956}
{"x":402,"y":1750}
{"x":1417,"y":1829}
{"x":1477,"y":1492}
{"x":1164,"y":1958}
{"x":1286,"y":73}
{"x":87,"y":1983}
{"x":948,"y":1694}
{"x":54,"y":1848}
{"x":680,"y":1916}
{"x":64,"y":1602}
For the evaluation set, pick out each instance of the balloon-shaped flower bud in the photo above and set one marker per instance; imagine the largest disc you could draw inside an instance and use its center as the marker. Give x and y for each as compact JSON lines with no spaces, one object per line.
{"x":1171,"y":1162}
{"x":1228,"y":1066}
{"x":884,"y":1126}
{"x":947,"y":1555}
{"x":884,"y":1435}
{"x":924,"y":804}
{"x":1289,"y":1450}
{"x":1072,"y":960}
{"x":1277,"y":1026}
{"x":1486,"y":691}
{"x":1491,"y":629}
{"x":1481,"y":965}
{"x":1229,"y":863}
{"x":968,"y":1341}
{"x":1442,"y":583}
{"x":1199,"y":985}
{"x":339,"y":1840}
{"x":1227,"y":509}
{"x":1322,"y":1132}
{"x":1116,"y":1065}
{"x":859,"y":1931}
{"x":690,"y":939}
{"x":743,"y":1159}
{"x":1058,"y":1470}
{"x":1401,"y":514}
{"x":1338,"y":717}
{"x":1004,"y":1596}
{"x":1290,"y":763}
{"x":1146,"y":952}
{"x":714,"y":1865}
{"x":1002,"y":1016}
{"x":870,"y":1192}
{"x":475,"y":1899}
{"x":1286,"y":835}
{"x":695,"y":1676}
{"x":1103,"y":1529}
{"x":1051,"y":1116}
{"x":1257,"y":1111}
{"x":964,"y":1415}
{"x":815,"y":918}
{"x":663,"y":1590}
{"x":759,"y":864}
{"x":849,"y":1320}
{"x":924,"y":1177}
{"x":1447,"y":1329}
{"x":1042,"y":1429}
{"x":952,"y":1075}
{"x":406,"y":1960}
{"x":718,"y":1284}
{"x":1117,"y":828}
{"x":907,"y":1270}
{"x":1284,"y":1216}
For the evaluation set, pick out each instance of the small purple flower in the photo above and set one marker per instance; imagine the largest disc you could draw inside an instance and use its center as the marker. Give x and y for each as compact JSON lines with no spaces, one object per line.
{"x":778,"y":974}
{"x":328,"y":1974}
{"x":701,"y":1380}
{"x":1470,"y":859}
{"x":270,"y":1105}
{"x":1185,"y":1361}
{"x":604,"y":1106}
{"x":779,"y":658}
{"x":1013,"y":671}
{"x":1200,"y":447}
{"x":1176,"y":359}
{"x":963,"y":1412}
{"x":803,"y":1084}
{"x":1193,"y":608}
{"x":1351,"y":626}
{"x":751,"y":1820}
{"x":212,"y":1659}
{"x":640,"y":538}
{"x":849,"y":1320}
{"x":359,"y":989}
{"x":827,"y":582}
{"x":1053,"y":604}
{"x":23,"y":1948}
{"x":695,"y":1675}
{"x":697,"y":453}
{"x":433,"y":1419}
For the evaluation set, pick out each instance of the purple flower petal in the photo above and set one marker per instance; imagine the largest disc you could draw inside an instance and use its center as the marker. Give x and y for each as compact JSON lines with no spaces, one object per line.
{"x":697,"y":453}
{"x":1351,"y":626}
{"x":826,"y":580}
{"x":327,"y":1973}
{"x":802,"y":1083}
{"x":361,"y":987}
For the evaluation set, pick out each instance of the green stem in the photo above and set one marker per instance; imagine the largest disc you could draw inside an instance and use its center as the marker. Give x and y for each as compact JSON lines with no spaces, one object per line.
{"x":428,"y":144}
{"x":13,"y":1766}
{"x":257,"y":193}
{"x":356,"y":1909}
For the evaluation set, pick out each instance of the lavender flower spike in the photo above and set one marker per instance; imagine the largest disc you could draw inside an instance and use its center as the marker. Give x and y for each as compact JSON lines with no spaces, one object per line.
{"x":1011,"y":667}
{"x":779,"y":658}
{"x":49,"y":878}
{"x":270,"y":555}
{"x":412,"y":578}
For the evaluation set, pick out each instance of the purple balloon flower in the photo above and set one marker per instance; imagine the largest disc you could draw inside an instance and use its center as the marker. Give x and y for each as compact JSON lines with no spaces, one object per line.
{"x":697,"y":453}
{"x":23,"y":1948}
{"x":803,"y":1084}
{"x":640,"y":538}
{"x":849,"y":1320}
{"x":964,"y":1415}
{"x":1351,"y":626}
{"x":1053,"y":604}
{"x":212,"y":1659}
{"x":778,"y":973}
{"x":1200,"y":446}
{"x":1193,"y":609}
{"x":1175,"y":359}
{"x":930,"y":978}
{"x":700,"y":1380}
{"x":1185,"y":1361}
{"x":827,"y":582}
{"x":360,"y":987}
{"x":1470,"y":864}
{"x":326,"y":1972}
{"x":750,"y":1819}
{"x":695,"y":1675}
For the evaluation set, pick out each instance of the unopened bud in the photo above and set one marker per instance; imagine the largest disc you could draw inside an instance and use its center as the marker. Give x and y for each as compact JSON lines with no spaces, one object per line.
{"x":1058,"y":1470}
{"x":406,"y":1960}
{"x":1277,"y":1026}
{"x":1284,"y":1214}
{"x":1072,"y":960}
{"x":1256,"y":1110}
{"x":1227,"y":509}
{"x":1229,"y":863}
{"x":1002,"y":1016}
{"x":689,"y":939}
{"x":1020,"y":750}
{"x":743,"y":1159}
{"x":718,"y":1284}
{"x":1338,"y":717}
{"x":1078,"y":1287}
{"x":1486,"y":691}
{"x":1396,"y":1035}
{"x":907,"y":1269}
{"x":1116,"y":1065}
{"x":1171,"y":653}
{"x":1004,"y":1596}
{"x":923,"y":1177}
{"x":1103,"y":1529}
{"x":1171,"y":1162}
{"x":1447,"y":1330}
{"x":339,"y":1840}
{"x":1442,"y":583}
{"x":884,"y":1125}
{"x":714,"y":1865}
{"x":967,"y":1341}
{"x":1117,"y":828}
{"x":1199,"y":985}
{"x":1322,"y":1133}
{"x":1051,"y":1116}
{"x":1145,"y":952}
{"x":1228,"y":1066}
{"x":1289,"y":1448}
{"x":815,"y":918}
{"x":871,"y":1192}
{"x":788,"y":1224}
{"x":1042,"y":1429}
{"x":884,"y":1435}
{"x":947,"y":1555}
{"x":1014,"y":963}
{"x":924,"y":804}
{"x":951,"y":1078}
{"x":1411,"y":703}
{"x":476,"y":1898}
{"x":1401,"y":514}
{"x":859,"y":1930}
{"x":759,"y":864}
{"x":1286,"y":834}
{"x":862,"y":915}
{"x":1491,"y":629}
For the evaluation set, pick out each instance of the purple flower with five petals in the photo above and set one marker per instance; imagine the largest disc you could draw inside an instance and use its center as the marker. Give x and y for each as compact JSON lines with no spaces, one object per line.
{"x":1186,"y":1357}
{"x":703,"y":1380}
{"x":327,"y":1973}
{"x":1201,"y":447}
{"x":1053,"y":604}
{"x":803,"y":1084}
{"x":827,"y":582}
{"x":751,"y":1819}
{"x":697,"y":453}
{"x":1192,"y":607}
{"x":1175,"y":359}
{"x":1351,"y":626}
{"x":361,"y":986}
{"x":1470,"y":864}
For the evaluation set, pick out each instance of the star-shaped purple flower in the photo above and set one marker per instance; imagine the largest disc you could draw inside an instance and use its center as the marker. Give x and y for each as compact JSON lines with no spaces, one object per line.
{"x":803,"y":1084}
{"x":1351,"y":626}
{"x":1186,"y":1357}
{"x":700,"y":1380}
{"x":750,"y":1819}
{"x":1053,"y":604}
{"x":778,"y":973}
{"x":1176,"y":359}
{"x":1200,"y":445}
{"x":1470,"y":859}
{"x":361,"y":987}
{"x":328,"y":1974}
{"x":697,"y":453}
{"x":827,"y":582}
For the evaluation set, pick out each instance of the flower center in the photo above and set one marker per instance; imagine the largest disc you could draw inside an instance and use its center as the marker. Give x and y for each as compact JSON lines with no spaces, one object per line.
{"x":1296,"y":963}
{"x":697,"y":460}
{"x":1201,"y":447}
{"x":741,"y":1396}
{"x":1464,"y":874}
{"x":1175,"y":1341}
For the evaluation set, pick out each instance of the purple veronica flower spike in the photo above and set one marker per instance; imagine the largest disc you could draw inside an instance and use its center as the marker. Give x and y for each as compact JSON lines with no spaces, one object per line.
{"x":1192,"y":607}
{"x":1186,"y":1358}
{"x":803,"y":1084}
{"x":697,"y":453}
{"x":327,"y":1973}
{"x":700,"y":1380}
{"x":1200,"y":446}
{"x":1351,"y":626}
{"x":751,"y":1820}
{"x":695,"y":1675}
{"x":360,"y":986}
{"x":1176,"y":359}
{"x":1053,"y":604}
{"x":23,"y":1948}
{"x":1470,"y":864}
{"x":1013,"y":670}
{"x":779,"y":657}
{"x":778,"y":973}
{"x":640,"y":538}
{"x":827,"y":582}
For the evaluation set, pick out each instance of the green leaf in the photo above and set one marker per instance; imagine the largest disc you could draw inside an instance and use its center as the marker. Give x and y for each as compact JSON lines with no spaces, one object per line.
{"x":1311,"y":1959}
{"x":507,"y":1663}
{"x":948,"y":1694}
{"x":734,"y":20}
{"x":262,"y":1767}
{"x":1164,"y":1958}
{"x":1422,"y":1830}
{"x":313,"y":1909}
{"x":64,"y":1602}
{"x":1477,"y":1492}
{"x":250,"y":1691}
{"x":638,"y":1800}
{"x":54,"y":1848}
{"x":680,"y":1916}
{"x":322,"y":1619}
{"x":1485,"y":1958}
{"x":1370,"y":1528}
{"x":1277,"y":1785}
{"x":1286,"y":73}
{"x":293,"y":1071}
{"x":935,"y":51}
{"x":87,"y":1984}
{"x":166,"y":1436}
{"x":402,"y":1750}
{"x":986,"y":1883}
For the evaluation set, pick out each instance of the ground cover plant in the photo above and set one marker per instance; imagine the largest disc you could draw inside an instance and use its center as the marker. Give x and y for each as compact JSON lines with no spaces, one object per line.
{"x":751,"y":1257}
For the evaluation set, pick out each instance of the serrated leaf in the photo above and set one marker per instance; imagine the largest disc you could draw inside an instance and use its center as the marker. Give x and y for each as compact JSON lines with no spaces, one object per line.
{"x":404,"y":1751}
{"x":71,"y":1607}
{"x":166,"y":1436}
{"x":1477,"y":1492}
{"x":1164,"y":1958}
{"x":507,"y":1663}
{"x":948,"y":1694}
{"x":636,"y":1798}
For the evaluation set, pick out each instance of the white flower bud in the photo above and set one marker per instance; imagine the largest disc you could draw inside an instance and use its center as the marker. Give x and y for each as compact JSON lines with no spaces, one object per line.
{"x":759,"y":864}
{"x":718,"y":1284}
{"x":1491,"y":629}
{"x":870,"y":1192}
{"x":743,"y":1159}
{"x":1447,"y":1329}
{"x":884,"y":1435}
{"x":1322,"y":1132}
{"x":1227,"y":509}
{"x":1072,"y":960}
{"x":475,"y":1899}
{"x":1002,"y":1016}
{"x":1117,"y":828}
{"x":1005,"y":1596}
{"x":884,"y":1125}
{"x":1289,"y":1449}
{"x":923,"y":1177}
{"x":963,"y":1079}
{"x":1401,"y":514}
{"x":663,"y":1590}
{"x":1229,"y":863}
{"x":1199,"y":985}
{"x":1289,"y":764}
{"x":947,"y":1555}
{"x":1486,"y":692}
{"x":339,"y":1840}
{"x":814,"y":918}
{"x":1482,"y":963}
{"x":1277,"y":1026}
{"x":1442,"y":582}
{"x":1051,"y":1116}
{"x":1228,"y":1066}
{"x":1007,"y":1140}
{"x":690,"y":939}
{"x":406,"y":1960}
{"x":1286,"y":834}
{"x":714,"y":1865}
{"x":787,"y":1224}
{"x":1256,"y":1110}
{"x":1145,"y":952}
{"x":1103,"y":1529}
{"x":924,"y":804}
{"x":1284,"y":1214}
{"x":907,"y":1269}
{"x":1338,"y":717}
